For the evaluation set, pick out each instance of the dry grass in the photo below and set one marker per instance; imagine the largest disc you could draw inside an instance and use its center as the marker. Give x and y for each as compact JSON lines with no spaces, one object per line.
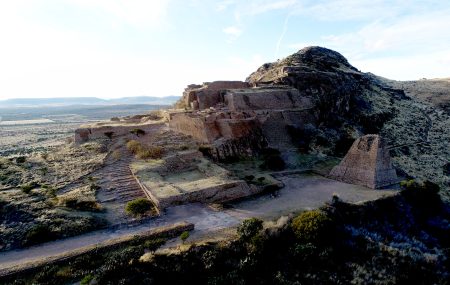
{"x":117,"y":154}
{"x":144,"y":151}
{"x":150,"y":152}
{"x":134,"y":146}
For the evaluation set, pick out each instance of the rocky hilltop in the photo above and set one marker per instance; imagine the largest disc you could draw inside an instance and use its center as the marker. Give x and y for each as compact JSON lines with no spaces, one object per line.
{"x":346,"y":99}
{"x":349,"y":103}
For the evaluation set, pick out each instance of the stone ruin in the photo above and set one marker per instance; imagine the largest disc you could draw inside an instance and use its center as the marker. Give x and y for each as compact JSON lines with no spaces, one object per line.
{"x":102,"y":130}
{"x":367,"y":163}
{"x":187,"y":177}
{"x":237,"y":119}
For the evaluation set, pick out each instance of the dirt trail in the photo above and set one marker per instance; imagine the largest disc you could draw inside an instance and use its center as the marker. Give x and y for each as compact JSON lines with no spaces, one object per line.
{"x":301,"y":192}
{"x":204,"y":219}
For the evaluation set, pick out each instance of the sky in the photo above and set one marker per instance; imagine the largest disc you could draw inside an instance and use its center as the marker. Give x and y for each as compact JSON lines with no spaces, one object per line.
{"x":122,"y":48}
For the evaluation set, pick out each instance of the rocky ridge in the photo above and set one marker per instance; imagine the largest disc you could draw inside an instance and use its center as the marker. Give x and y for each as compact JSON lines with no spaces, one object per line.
{"x":349,"y":103}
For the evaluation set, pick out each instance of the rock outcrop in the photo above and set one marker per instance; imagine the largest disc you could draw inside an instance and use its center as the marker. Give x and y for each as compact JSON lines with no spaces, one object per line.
{"x":367,"y":163}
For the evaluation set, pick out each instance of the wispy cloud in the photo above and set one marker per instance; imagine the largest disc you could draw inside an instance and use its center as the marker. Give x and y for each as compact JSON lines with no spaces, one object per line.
{"x":390,"y":35}
{"x":283,"y":33}
{"x":223,"y":5}
{"x":233,"y":32}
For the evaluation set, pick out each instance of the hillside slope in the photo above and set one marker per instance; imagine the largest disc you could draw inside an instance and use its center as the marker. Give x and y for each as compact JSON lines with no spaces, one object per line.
{"x":350,"y":103}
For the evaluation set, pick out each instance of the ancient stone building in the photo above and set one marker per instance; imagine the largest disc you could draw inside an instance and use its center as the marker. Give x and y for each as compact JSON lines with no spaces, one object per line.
{"x":237,"y":119}
{"x":367,"y":163}
{"x":102,"y":130}
{"x":207,"y":95}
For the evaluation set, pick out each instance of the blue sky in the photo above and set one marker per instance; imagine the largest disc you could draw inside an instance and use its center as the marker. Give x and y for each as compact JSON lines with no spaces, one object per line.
{"x":119,"y":48}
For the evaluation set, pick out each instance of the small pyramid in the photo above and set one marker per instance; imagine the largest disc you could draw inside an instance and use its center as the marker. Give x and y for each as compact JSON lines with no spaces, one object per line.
{"x":367,"y":163}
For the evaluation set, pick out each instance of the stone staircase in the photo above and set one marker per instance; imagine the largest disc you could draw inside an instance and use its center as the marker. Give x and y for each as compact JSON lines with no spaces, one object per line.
{"x":117,"y":182}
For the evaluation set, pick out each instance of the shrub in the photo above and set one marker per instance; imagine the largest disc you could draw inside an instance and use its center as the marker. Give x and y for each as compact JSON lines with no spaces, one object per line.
{"x":76,"y":204}
{"x":206,"y":150}
{"x":184,"y":147}
{"x":87,"y":279}
{"x":44,"y":155}
{"x":137,"y":132}
{"x":49,"y":190}
{"x":272,"y":160}
{"x":154,"y":244}
{"x":249,"y":228}
{"x":184,"y":236}
{"x":21,"y":159}
{"x":153,"y":152}
{"x":138,"y":207}
{"x":38,"y":234}
{"x":94,"y":187}
{"x":26,"y":188}
{"x":115,"y":119}
{"x":109,"y":134}
{"x":312,"y":226}
{"x":134,"y":146}
{"x":116,"y":154}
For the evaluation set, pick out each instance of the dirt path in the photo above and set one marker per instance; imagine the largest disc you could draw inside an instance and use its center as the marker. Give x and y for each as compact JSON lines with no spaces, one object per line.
{"x":301,"y":192}
{"x":204,"y":219}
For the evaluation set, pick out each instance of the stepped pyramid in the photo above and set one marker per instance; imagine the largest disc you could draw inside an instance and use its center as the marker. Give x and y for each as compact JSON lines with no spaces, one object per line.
{"x":367,"y":163}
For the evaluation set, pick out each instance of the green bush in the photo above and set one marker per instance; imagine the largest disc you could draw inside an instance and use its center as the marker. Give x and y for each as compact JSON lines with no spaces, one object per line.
{"x":38,"y":234}
{"x":134,"y":146}
{"x":312,"y":226}
{"x":82,"y":205}
{"x":154,"y":244}
{"x":87,"y":279}
{"x":138,"y":132}
{"x":184,"y":236}
{"x":249,"y":228}
{"x":26,"y":188}
{"x":109,"y":135}
{"x":21,"y":159}
{"x":138,"y":206}
{"x":153,"y":152}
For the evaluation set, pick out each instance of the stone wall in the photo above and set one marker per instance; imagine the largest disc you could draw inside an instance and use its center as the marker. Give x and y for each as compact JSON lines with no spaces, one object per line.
{"x":215,"y":194}
{"x":209,"y":94}
{"x":196,"y":126}
{"x":87,"y":133}
{"x":207,"y":128}
{"x":265,"y":98}
{"x":367,"y":163}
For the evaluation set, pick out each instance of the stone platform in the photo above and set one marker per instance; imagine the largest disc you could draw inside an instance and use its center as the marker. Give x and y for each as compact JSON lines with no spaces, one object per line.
{"x":187,"y":177}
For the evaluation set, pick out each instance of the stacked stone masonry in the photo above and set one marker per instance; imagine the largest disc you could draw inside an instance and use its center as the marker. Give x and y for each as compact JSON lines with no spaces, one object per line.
{"x":367,"y":163}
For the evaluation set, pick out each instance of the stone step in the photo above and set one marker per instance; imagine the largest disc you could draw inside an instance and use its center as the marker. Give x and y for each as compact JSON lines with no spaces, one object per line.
{"x":108,"y":200}
{"x":131,"y":196}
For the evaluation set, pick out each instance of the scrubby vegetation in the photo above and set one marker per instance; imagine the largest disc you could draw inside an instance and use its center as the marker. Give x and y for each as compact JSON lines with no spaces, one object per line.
{"x":100,"y":266}
{"x":42,"y":215}
{"x":144,"y":151}
{"x":272,"y":160}
{"x":150,"y":152}
{"x":34,"y":219}
{"x":397,"y":240}
{"x":138,"y":207}
{"x":137,"y":132}
{"x":184,"y":236}
{"x":312,"y":227}
{"x":134,"y":146}
{"x":109,"y":135}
